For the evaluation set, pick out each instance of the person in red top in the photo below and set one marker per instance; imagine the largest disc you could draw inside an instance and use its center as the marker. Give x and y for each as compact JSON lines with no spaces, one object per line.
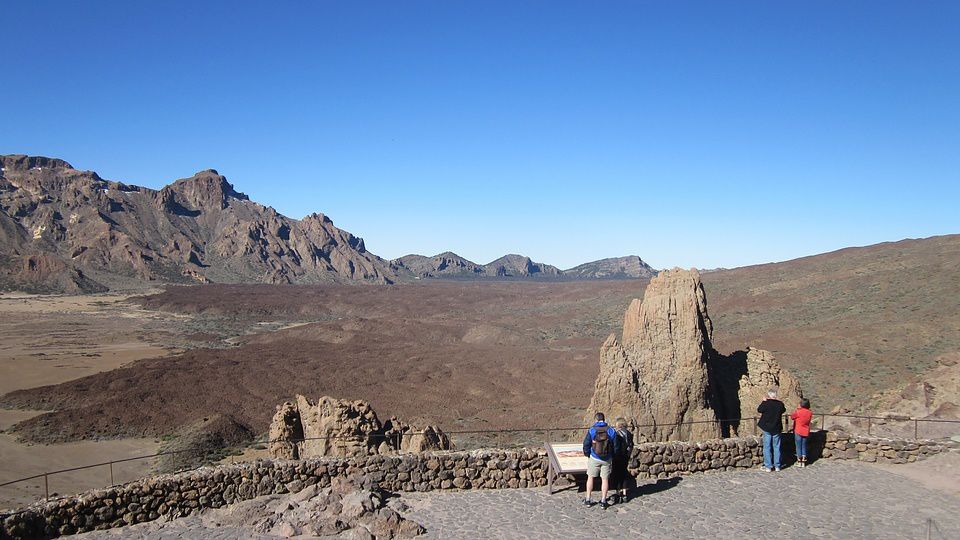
{"x":801,"y":429}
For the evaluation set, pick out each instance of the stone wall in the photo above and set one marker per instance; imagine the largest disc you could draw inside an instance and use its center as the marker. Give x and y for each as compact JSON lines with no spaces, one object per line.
{"x":878,"y":449}
{"x":181,"y":494}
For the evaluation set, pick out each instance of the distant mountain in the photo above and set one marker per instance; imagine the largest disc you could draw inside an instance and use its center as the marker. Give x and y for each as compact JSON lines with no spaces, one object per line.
{"x":630,"y":266}
{"x":452,"y":266}
{"x":519,"y":266}
{"x":445,"y":264}
{"x":65,"y":230}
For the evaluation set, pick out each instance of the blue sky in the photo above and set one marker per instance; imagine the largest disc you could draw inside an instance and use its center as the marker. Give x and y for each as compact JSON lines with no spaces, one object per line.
{"x":690,"y":133}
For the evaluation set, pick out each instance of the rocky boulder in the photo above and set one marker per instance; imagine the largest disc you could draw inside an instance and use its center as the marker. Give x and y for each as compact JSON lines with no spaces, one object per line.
{"x":334,"y":427}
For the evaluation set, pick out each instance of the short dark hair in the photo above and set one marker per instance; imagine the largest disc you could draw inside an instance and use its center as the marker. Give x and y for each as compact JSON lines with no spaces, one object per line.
{"x":805,"y":403}
{"x":599,"y":417}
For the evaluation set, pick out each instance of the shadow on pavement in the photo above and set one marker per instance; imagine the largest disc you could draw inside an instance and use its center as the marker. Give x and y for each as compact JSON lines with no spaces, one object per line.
{"x":649,"y":489}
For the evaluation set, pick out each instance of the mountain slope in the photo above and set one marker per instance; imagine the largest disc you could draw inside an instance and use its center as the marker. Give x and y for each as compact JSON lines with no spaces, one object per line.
{"x":849,"y":323}
{"x":197,"y":229}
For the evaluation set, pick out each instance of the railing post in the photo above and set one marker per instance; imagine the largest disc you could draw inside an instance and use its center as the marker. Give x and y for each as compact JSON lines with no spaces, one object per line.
{"x":46,"y":487}
{"x":869,"y":424}
{"x":112,"y":483}
{"x":916,"y":429}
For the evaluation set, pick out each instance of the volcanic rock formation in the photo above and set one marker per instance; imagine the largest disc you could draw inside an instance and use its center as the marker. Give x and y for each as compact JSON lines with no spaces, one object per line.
{"x":334,"y":427}
{"x":63,"y":229}
{"x":665,"y":375}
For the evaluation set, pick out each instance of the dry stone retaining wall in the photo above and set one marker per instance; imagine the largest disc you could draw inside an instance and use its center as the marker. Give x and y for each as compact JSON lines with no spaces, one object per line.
{"x":181,"y":494}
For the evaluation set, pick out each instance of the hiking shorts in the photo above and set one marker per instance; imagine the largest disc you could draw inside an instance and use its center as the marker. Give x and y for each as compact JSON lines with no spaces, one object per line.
{"x":596,"y":468}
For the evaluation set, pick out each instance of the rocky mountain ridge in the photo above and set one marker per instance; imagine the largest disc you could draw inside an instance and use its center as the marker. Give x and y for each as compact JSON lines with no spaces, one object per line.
{"x":65,"y":230}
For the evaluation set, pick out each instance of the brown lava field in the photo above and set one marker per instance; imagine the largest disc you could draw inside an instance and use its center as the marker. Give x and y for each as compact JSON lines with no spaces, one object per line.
{"x":495,"y":355}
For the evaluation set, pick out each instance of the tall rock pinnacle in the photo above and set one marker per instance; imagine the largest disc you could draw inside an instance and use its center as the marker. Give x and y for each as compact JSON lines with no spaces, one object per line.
{"x":658,"y":373}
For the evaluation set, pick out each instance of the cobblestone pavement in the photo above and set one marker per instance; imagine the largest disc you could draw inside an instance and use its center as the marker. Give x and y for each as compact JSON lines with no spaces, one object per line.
{"x":825,"y":500}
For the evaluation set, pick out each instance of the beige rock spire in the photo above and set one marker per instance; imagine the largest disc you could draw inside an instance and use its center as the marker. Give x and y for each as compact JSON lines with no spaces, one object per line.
{"x":658,"y":373}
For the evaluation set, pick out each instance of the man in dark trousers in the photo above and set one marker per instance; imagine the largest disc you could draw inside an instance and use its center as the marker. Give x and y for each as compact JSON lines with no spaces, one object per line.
{"x":600,"y":445}
{"x":771,"y":412}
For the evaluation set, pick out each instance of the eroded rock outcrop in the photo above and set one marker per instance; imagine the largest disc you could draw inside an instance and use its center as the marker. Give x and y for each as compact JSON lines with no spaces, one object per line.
{"x":664,"y":376}
{"x":935,"y":395}
{"x":743,"y":379}
{"x":334,"y":427}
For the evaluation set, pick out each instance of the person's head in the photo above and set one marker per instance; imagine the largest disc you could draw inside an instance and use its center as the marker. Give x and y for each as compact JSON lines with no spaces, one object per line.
{"x":599,"y":417}
{"x":805,"y":403}
{"x":772,"y":393}
{"x":621,"y":423}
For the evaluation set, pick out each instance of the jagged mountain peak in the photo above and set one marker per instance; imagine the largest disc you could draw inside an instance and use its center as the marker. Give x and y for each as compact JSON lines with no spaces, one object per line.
{"x":207,"y":187}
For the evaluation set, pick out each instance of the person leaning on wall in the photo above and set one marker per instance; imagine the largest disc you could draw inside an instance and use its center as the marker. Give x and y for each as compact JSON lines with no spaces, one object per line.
{"x":771,"y":412}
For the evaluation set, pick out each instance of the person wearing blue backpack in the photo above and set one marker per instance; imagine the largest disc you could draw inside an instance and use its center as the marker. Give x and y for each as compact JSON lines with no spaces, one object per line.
{"x":599,"y":446}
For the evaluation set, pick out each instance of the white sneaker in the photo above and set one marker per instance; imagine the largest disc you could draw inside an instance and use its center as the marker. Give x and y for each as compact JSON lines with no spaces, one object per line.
{"x":776,"y":469}
{"x":768,"y":469}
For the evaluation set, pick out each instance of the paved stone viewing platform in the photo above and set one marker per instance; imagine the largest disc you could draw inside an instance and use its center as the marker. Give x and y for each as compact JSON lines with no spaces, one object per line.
{"x":826,"y":500}
{"x":830,"y":499}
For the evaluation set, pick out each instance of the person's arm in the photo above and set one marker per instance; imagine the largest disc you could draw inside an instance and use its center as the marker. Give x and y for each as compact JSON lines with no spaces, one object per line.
{"x":616,"y":443}
{"x":761,"y":406}
{"x":586,"y":444}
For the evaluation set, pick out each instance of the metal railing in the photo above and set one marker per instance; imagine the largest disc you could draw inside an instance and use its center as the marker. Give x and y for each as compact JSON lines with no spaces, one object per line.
{"x":504,"y":438}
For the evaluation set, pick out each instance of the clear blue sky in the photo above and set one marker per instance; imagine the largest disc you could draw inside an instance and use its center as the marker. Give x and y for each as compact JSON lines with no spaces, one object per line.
{"x":694,"y":134}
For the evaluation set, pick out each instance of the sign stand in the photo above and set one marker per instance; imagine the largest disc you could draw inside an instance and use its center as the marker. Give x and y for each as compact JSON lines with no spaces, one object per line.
{"x":564,"y":458}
